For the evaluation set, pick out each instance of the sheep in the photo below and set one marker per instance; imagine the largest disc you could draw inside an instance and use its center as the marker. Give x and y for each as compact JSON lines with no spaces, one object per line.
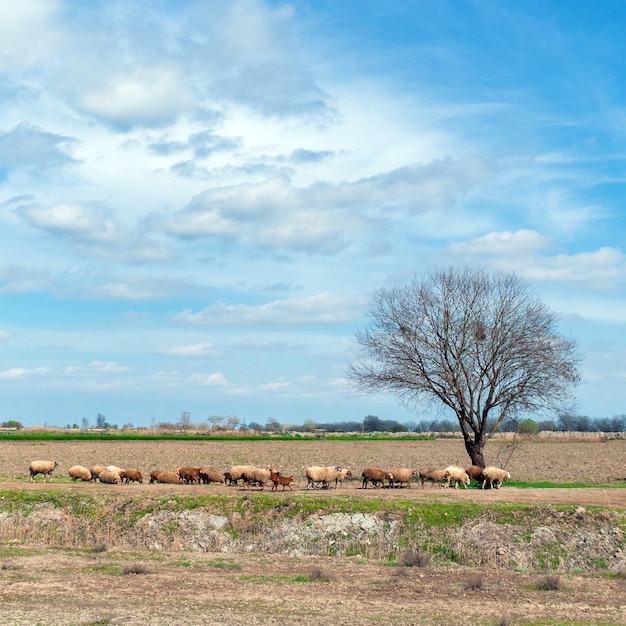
{"x":376,"y":476}
{"x":77,"y":472}
{"x":433,"y":475}
{"x":115,"y":469}
{"x":153,"y":475}
{"x":258,"y":475}
{"x":131,"y":476}
{"x":317,"y":475}
{"x":210,"y":475}
{"x":109,"y":477}
{"x":189,"y":474}
{"x":236,"y":473}
{"x":171,"y":478}
{"x":495,"y":476}
{"x":277,"y":479}
{"x":456,"y":475}
{"x":95,"y":471}
{"x":475,"y":472}
{"x":401,"y":475}
{"x":42,"y":467}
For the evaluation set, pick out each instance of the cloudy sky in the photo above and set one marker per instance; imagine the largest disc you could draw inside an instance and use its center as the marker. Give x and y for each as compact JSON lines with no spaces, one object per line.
{"x":198,"y":199}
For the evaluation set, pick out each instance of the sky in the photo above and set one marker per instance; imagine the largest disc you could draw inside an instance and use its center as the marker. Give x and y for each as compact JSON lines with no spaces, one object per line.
{"x":198,"y":199}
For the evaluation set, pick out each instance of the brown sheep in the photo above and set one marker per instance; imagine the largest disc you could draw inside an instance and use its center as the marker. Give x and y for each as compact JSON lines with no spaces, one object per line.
{"x":171,"y":478}
{"x":42,"y":467}
{"x":189,"y":474}
{"x":475,"y":472}
{"x":153,"y":475}
{"x":376,"y":476}
{"x":131,"y":476}
{"x":210,"y":475}
{"x":278,"y":479}
{"x":400,"y":476}
{"x":433,"y":475}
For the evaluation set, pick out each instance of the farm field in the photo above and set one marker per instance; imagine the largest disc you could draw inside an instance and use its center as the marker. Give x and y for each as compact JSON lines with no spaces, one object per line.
{"x":89,"y":581}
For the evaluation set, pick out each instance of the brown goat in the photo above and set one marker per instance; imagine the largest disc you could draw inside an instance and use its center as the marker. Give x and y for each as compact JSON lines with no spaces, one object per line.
{"x":278,"y":479}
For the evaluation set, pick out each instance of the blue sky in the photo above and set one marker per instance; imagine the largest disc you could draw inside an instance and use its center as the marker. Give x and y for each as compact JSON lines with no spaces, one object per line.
{"x":197,"y":199}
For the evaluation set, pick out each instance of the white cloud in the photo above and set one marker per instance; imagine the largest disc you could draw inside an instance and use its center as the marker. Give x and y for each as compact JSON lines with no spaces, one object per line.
{"x":194,"y":350}
{"x":527,"y":253}
{"x":94,"y":230}
{"x":322,"y":308}
{"x":15,"y":373}
{"x":27,"y":35}
{"x":502,"y":244}
{"x":152,"y":96}
{"x":108,"y":367}
{"x":216,"y":379}
{"x":4,"y":335}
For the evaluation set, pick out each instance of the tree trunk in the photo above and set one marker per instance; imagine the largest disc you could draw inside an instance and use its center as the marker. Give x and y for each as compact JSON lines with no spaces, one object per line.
{"x":475,"y":450}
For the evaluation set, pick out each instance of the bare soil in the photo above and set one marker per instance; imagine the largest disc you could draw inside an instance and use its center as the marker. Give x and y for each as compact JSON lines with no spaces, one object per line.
{"x":61,"y":586}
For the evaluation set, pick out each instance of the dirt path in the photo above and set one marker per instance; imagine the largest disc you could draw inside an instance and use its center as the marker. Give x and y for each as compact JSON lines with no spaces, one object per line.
{"x":614,"y":498}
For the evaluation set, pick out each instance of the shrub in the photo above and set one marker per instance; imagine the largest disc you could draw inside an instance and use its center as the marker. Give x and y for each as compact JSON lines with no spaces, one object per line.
{"x":549,"y":583}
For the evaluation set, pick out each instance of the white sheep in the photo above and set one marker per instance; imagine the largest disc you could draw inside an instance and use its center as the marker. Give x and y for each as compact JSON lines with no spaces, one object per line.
{"x":401,"y":475}
{"x":317,"y":475}
{"x":115,"y":469}
{"x":495,"y":476}
{"x":433,"y":475}
{"x":258,"y":475}
{"x":78,"y":472}
{"x":42,"y":467}
{"x":456,"y":475}
{"x":109,"y":477}
{"x":95,"y":471}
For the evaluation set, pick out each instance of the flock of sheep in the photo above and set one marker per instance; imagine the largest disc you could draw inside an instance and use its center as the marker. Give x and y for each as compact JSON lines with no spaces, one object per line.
{"x":317,"y":477}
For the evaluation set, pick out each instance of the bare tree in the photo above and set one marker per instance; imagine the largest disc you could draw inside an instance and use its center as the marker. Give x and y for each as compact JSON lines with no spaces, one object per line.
{"x":484,"y":345}
{"x":185,"y":419}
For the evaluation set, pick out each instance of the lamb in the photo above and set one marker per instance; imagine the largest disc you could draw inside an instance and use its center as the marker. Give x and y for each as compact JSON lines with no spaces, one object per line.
{"x":495,"y":476}
{"x":95,"y":471}
{"x":171,"y":478}
{"x":131,"y":476}
{"x":189,"y":474}
{"x":42,"y":467}
{"x":277,"y":479}
{"x":228,"y":479}
{"x":376,"y":476}
{"x":78,"y":472}
{"x":109,"y":477}
{"x":401,"y":475}
{"x":475,"y":472}
{"x":340,"y":475}
{"x":153,"y":475}
{"x":317,"y":475}
{"x":456,"y":475}
{"x":210,"y":475}
{"x":433,"y":475}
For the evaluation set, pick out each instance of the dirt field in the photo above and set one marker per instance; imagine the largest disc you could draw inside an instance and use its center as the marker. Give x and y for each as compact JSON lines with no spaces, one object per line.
{"x":53,"y":586}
